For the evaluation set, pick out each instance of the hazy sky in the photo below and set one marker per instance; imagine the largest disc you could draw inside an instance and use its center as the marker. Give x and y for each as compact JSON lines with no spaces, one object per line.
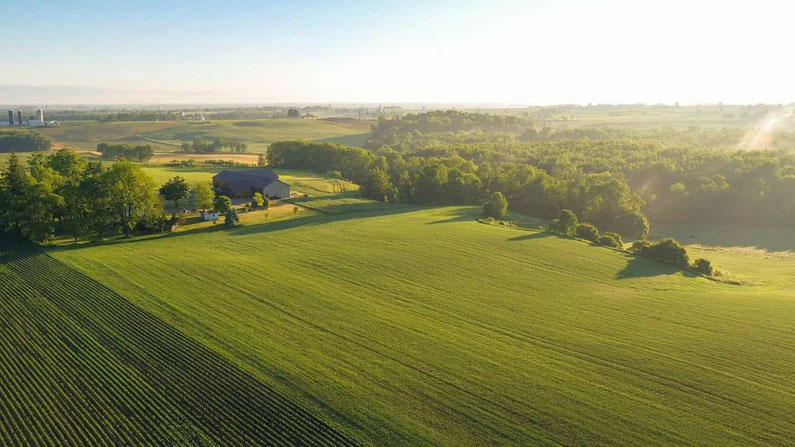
{"x":517,"y":52}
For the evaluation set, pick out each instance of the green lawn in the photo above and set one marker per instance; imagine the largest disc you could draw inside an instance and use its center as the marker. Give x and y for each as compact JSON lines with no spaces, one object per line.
{"x":409,"y":326}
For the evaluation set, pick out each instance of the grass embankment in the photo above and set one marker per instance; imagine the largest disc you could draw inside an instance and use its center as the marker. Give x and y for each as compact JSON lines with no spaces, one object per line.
{"x":415,"y":327}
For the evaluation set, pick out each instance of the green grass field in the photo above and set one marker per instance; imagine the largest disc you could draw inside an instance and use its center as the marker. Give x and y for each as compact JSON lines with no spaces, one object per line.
{"x":81,"y":365}
{"x":258,"y":134}
{"x":410,"y":326}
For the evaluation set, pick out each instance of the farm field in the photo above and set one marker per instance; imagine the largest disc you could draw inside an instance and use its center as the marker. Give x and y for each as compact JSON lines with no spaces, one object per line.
{"x":639,"y":116}
{"x":81,"y":365}
{"x":166,"y":136}
{"x":419,"y":326}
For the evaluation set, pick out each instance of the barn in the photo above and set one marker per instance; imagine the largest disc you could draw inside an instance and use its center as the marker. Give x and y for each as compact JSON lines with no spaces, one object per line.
{"x":244,"y":183}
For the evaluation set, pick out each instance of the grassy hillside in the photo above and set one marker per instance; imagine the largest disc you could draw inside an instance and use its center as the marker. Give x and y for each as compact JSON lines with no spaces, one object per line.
{"x":83,"y":366}
{"x":258,"y":134}
{"x":411,"y":326}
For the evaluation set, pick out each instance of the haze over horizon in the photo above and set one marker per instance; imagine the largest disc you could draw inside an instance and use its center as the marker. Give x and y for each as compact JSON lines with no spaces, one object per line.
{"x":443,"y":52}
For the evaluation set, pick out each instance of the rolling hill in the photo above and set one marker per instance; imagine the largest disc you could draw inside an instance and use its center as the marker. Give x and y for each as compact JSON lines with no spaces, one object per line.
{"x":410,"y":326}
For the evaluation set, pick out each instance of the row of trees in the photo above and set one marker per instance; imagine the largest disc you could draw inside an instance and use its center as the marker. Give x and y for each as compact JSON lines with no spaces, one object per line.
{"x":23,"y":141}
{"x":61,"y":193}
{"x":666,"y":251}
{"x":389,"y":176}
{"x":202,"y":146}
{"x":141,"y":152}
{"x":391,"y":130}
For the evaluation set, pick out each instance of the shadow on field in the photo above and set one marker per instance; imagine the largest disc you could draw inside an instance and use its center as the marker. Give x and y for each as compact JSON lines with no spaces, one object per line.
{"x":265,"y":227}
{"x":458,"y":215}
{"x":355,"y":213}
{"x":640,"y":267}
{"x":529,"y":236}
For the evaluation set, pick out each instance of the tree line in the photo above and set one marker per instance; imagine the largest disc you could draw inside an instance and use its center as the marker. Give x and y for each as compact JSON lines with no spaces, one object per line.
{"x":141,"y":152}
{"x":23,"y":141}
{"x":63,"y":194}
{"x":390,"y":176}
{"x":201,"y":146}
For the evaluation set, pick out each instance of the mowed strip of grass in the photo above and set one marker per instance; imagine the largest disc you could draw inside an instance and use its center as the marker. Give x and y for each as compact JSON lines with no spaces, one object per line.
{"x":82,"y":366}
{"x":414,"y":326}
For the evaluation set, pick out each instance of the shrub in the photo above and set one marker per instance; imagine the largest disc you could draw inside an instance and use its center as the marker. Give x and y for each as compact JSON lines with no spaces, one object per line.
{"x":609,"y":240}
{"x":703,"y":266}
{"x":496,"y":206}
{"x":586,"y":231}
{"x":567,"y":221}
{"x":257,"y":200}
{"x":640,"y":244}
{"x":632,"y":224}
{"x":266,"y":203}
{"x":232,"y":219}
{"x":615,"y":236}
{"x":223,"y":204}
{"x":667,"y":251}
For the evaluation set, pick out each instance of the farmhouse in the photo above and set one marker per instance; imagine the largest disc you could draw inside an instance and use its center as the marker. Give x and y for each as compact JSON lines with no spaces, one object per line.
{"x":245,"y":183}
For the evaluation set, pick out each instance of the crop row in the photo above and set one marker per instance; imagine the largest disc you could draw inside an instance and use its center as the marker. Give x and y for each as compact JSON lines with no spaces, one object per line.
{"x":84,"y":366}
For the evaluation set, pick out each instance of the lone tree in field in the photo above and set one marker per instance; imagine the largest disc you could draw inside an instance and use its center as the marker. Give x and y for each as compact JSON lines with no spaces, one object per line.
{"x":223,"y":204}
{"x":257,"y":201}
{"x":293,"y":113}
{"x":496,"y":206}
{"x":203,"y":196}
{"x":175,"y":190}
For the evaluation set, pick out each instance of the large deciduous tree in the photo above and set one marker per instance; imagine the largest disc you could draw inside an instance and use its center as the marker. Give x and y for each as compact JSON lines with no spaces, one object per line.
{"x":175,"y":189}
{"x":203,"y":196}
{"x":131,"y":194}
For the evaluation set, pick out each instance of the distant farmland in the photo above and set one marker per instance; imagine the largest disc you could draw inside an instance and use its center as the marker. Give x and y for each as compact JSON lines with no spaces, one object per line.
{"x":258,"y":134}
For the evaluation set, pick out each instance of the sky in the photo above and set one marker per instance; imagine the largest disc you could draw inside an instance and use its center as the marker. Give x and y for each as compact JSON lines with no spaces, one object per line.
{"x":455,"y":52}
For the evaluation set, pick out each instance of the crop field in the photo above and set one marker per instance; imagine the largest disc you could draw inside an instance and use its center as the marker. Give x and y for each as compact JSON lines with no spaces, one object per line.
{"x":166,"y":136}
{"x":405,"y":326}
{"x":83,"y":366}
{"x":638,"y":116}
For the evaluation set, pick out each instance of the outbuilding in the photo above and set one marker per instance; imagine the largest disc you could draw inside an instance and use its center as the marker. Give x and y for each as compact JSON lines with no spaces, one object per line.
{"x":244,"y":183}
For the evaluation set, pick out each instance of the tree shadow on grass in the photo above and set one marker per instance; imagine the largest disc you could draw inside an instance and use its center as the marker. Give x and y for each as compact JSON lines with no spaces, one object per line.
{"x":640,"y":267}
{"x":457,"y":215}
{"x":321,"y":219}
{"x":529,"y":236}
{"x":265,"y":227}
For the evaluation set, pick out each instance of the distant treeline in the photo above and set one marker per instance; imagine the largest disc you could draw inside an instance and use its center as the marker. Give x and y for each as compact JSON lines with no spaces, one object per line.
{"x":23,"y":141}
{"x":216,"y":113}
{"x":675,"y":175}
{"x":202,"y":146}
{"x":390,"y":131}
{"x":602,"y":198}
{"x":125,"y":152}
